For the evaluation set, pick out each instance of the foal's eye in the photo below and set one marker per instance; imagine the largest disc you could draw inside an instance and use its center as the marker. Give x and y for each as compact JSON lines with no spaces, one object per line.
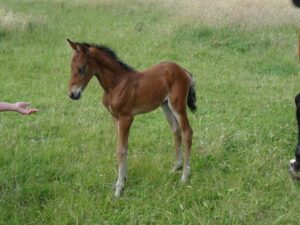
{"x":82,"y":70}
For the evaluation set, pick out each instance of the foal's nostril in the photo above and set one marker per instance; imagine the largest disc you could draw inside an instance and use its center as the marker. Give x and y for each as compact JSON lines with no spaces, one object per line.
{"x":75,"y":96}
{"x":71,"y":94}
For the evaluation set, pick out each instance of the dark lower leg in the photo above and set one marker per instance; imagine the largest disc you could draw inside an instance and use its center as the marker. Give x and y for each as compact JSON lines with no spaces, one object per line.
{"x":297,"y":152}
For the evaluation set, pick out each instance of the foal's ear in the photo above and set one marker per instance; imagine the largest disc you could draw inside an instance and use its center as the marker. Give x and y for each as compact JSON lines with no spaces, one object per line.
{"x":73,"y":45}
{"x":82,"y":48}
{"x":77,"y":46}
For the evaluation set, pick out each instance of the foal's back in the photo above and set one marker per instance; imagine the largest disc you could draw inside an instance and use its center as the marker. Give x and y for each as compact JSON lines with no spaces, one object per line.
{"x":154,"y":85}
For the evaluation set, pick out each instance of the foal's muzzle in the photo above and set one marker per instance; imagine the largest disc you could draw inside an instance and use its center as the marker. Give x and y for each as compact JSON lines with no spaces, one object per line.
{"x":75,"y":92}
{"x":75,"y":96}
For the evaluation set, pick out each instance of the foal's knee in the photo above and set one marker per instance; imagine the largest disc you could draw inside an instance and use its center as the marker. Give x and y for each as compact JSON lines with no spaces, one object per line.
{"x":176,"y":131}
{"x":188,"y":135}
{"x":121,"y":154}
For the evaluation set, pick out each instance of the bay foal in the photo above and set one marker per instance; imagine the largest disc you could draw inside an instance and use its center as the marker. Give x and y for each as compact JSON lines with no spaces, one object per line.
{"x":128,"y":93}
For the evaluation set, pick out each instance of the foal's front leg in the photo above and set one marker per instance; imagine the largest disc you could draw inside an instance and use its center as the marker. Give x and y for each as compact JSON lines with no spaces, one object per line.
{"x":123,"y":126}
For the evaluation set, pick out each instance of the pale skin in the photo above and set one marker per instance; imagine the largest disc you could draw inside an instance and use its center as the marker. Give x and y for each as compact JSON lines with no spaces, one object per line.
{"x":20,"y":107}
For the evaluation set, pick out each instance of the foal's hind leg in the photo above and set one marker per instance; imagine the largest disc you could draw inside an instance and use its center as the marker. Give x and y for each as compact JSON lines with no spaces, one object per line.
{"x":187,"y":137}
{"x":179,"y":111}
{"x":176,"y":133}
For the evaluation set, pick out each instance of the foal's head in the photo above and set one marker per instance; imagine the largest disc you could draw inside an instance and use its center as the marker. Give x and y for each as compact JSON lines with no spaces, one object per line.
{"x":81,"y":69}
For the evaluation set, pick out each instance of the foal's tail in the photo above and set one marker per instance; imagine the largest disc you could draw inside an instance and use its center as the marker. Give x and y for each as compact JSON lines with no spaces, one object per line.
{"x":191,"y":100}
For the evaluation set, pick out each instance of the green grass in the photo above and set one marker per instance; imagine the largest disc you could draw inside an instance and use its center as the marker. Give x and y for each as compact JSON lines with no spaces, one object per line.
{"x":59,"y":166}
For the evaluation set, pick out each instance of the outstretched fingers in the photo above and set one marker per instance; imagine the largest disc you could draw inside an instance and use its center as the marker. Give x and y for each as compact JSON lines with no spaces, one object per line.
{"x":22,"y":107}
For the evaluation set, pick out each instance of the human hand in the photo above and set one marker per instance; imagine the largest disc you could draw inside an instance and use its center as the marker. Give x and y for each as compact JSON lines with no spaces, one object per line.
{"x":21,"y":107}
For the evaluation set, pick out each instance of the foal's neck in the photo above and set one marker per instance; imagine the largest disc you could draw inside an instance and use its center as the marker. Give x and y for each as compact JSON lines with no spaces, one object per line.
{"x":108,"y":71}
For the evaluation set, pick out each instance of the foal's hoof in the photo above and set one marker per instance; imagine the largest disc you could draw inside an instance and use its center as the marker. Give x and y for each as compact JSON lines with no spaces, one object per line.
{"x":185,"y":175}
{"x":295,"y":173}
{"x":176,"y":168}
{"x":119,"y":191}
{"x":184,"y":179}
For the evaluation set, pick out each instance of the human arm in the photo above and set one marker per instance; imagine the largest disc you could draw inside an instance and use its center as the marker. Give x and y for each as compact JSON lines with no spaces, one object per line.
{"x":20,"y":107}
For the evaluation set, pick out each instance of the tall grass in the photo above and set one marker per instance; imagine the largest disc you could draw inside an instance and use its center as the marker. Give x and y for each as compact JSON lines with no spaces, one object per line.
{"x":58,"y":166}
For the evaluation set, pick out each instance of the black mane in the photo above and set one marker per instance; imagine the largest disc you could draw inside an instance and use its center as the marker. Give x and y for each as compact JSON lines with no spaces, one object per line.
{"x":111,"y":53}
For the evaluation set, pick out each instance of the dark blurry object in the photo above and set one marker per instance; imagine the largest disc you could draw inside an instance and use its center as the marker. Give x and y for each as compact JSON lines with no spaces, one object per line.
{"x":296,"y":3}
{"x":299,"y":44}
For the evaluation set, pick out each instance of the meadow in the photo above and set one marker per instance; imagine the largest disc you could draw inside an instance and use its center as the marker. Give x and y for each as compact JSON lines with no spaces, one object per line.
{"x":59,"y":166}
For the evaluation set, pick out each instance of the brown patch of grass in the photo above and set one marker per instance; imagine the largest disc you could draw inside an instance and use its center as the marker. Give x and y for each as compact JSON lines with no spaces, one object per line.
{"x":10,"y":20}
{"x":93,"y":2}
{"x":250,"y":13}
{"x":228,"y":12}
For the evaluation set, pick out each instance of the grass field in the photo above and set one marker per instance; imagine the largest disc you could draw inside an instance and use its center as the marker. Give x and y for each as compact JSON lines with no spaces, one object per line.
{"x":59,"y":166}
